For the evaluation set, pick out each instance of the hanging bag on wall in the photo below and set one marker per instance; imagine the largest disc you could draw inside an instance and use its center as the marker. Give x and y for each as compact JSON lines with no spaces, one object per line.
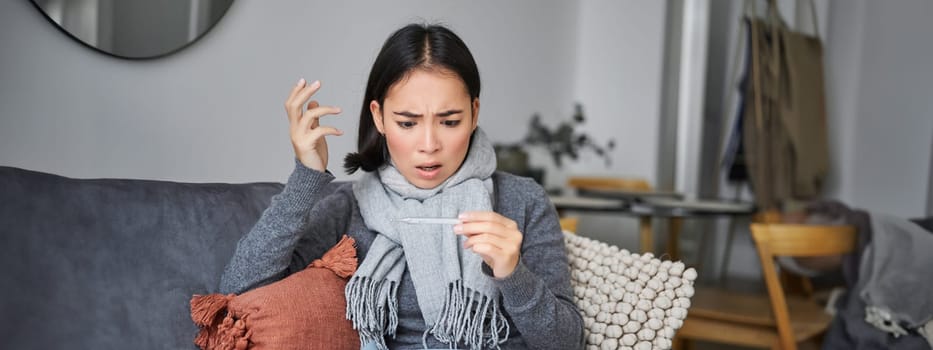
{"x":785,"y":133}
{"x":803,"y":108}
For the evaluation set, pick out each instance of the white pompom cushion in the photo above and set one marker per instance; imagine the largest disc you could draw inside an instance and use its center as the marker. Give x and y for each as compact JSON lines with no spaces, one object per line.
{"x":628,"y":301}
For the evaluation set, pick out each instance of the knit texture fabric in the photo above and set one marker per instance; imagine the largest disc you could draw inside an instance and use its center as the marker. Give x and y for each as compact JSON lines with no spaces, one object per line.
{"x":459,"y":303}
{"x":628,"y":301}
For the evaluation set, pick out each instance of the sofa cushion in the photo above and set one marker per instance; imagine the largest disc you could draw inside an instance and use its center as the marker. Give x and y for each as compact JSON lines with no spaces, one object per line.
{"x":627,"y":300}
{"x":306,"y":310}
{"x":110,"y":263}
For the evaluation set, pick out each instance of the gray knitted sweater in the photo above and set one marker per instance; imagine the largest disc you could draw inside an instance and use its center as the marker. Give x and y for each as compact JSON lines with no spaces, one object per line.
{"x":301,"y":224}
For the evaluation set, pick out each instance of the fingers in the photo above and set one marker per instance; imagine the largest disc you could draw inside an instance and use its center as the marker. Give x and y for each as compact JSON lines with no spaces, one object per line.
{"x":291,"y":112}
{"x":486,"y":250}
{"x":481,"y":227}
{"x":499,"y":231}
{"x":305,"y":93}
{"x":491,"y":216}
{"x":479,"y":222}
{"x":484,"y":242}
{"x":301,"y":120}
{"x":310,"y":139}
{"x":500,"y":253}
{"x":296,"y":99}
{"x":312,"y":105}
{"x":295,"y":89}
{"x":309,"y":121}
{"x":322,"y":131}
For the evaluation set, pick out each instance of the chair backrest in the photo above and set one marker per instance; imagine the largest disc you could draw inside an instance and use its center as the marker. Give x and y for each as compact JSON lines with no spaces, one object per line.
{"x":768,"y":217}
{"x":795,"y":240}
{"x":610,"y":183}
{"x":569,"y":224}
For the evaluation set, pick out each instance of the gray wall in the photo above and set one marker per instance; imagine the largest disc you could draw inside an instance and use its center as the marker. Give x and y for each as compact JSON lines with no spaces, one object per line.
{"x":930,"y":185}
{"x":885,"y":143}
{"x":213,"y":112}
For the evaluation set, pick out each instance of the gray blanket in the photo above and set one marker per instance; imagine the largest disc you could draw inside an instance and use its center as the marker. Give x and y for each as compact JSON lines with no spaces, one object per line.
{"x":896,"y":282}
{"x":888,"y":267}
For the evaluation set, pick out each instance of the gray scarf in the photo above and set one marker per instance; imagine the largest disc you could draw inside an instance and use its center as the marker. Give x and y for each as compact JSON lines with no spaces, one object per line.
{"x":458,"y":301}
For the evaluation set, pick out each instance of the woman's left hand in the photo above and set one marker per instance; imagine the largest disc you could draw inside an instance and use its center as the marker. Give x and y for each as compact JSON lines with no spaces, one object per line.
{"x":494,"y":237}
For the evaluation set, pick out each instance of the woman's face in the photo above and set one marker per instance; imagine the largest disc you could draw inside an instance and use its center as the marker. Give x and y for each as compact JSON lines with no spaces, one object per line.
{"x":427,"y":119}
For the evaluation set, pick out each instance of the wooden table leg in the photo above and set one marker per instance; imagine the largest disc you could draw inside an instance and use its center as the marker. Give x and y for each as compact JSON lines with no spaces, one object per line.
{"x":673,"y":238}
{"x":682,"y":344}
{"x":647,"y":239}
{"x":727,"y":255}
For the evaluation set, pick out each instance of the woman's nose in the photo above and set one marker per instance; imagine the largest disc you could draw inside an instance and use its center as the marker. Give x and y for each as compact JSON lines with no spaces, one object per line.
{"x":429,"y":141}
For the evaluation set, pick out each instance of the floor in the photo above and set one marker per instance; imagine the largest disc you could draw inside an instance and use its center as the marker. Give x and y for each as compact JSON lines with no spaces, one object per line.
{"x":744,"y":285}
{"x":714,"y":346}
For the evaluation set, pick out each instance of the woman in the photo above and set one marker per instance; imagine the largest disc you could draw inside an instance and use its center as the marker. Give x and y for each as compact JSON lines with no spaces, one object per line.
{"x":498,"y":277}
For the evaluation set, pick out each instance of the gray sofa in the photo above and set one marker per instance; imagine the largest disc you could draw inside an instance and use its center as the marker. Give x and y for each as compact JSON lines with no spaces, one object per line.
{"x":112,"y":264}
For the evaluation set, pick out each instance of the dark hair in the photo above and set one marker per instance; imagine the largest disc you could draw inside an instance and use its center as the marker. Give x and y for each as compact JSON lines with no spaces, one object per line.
{"x":415,"y":46}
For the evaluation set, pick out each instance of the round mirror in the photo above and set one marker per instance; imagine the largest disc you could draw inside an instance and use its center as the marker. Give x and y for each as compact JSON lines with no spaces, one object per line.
{"x":134,"y":29}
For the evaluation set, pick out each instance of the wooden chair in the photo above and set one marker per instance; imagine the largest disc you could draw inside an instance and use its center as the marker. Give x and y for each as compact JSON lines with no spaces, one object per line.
{"x":569,"y":224}
{"x":775,"y":320}
{"x":611,"y":183}
{"x":646,"y":239}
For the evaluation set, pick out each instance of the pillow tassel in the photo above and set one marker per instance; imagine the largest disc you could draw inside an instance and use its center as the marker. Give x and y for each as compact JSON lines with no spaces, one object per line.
{"x":203,"y":339}
{"x":231,"y":334}
{"x":205,"y":310}
{"x":341,"y":259}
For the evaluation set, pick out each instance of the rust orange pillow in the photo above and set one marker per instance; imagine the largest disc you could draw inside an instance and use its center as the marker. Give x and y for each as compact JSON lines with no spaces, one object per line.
{"x":306,"y":310}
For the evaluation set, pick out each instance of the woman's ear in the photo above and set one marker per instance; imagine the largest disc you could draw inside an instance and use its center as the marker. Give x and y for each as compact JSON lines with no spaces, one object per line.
{"x":475,"y":112}
{"x":376,"y":111}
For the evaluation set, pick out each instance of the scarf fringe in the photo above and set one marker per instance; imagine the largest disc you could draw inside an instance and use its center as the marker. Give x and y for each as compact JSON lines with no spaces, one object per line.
{"x":467,"y":316}
{"x":471,"y":318}
{"x":367,"y":310}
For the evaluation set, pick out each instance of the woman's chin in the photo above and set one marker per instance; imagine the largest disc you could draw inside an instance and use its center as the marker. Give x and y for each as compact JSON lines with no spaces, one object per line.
{"x":425,"y":184}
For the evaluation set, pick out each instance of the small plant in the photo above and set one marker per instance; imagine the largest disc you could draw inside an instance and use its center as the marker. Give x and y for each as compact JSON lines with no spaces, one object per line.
{"x":563,"y":141}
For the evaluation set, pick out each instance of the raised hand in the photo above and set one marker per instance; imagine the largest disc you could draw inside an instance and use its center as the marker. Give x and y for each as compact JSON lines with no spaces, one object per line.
{"x":307,"y":133}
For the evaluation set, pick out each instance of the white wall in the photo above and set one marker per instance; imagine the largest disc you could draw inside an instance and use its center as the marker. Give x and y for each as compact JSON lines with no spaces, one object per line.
{"x":213,"y":112}
{"x":617,"y":78}
{"x":890,"y":123}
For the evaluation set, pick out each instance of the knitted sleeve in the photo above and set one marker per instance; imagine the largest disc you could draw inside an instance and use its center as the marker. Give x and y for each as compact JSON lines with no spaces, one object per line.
{"x":283,"y":239}
{"x":538,"y":296}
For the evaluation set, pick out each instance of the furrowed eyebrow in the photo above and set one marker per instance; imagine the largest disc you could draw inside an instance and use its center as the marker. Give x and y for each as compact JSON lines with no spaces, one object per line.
{"x":408,"y":114}
{"x":449,"y":113}
{"x":415,"y":115}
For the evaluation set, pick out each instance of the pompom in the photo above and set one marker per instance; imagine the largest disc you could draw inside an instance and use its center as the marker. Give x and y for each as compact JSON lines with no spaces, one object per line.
{"x":629,"y":301}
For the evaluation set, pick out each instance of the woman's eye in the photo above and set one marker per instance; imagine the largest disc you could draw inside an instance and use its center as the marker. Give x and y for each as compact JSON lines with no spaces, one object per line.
{"x":451,"y":123}
{"x":406,"y":125}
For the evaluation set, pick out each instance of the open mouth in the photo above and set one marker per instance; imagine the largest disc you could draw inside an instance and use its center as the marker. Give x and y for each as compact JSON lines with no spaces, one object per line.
{"x":429,"y":171}
{"x":429,"y":168}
